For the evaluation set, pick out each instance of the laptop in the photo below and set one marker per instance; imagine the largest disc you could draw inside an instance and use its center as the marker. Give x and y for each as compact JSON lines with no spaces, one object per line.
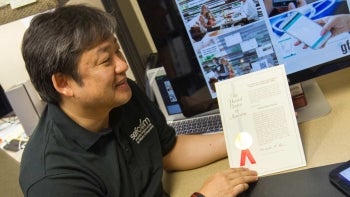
{"x":166,"y":99}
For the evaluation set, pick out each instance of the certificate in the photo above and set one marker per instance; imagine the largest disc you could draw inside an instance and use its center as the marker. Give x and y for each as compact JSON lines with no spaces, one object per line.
{"x":259,"y":122}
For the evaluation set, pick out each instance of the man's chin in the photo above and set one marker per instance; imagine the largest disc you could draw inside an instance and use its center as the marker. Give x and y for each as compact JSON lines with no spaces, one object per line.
{"x":124,"y":98}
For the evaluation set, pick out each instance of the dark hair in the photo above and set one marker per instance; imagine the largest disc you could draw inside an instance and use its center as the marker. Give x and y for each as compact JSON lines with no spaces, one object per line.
{"x":215,"y":59}
{"x":55,"y":40}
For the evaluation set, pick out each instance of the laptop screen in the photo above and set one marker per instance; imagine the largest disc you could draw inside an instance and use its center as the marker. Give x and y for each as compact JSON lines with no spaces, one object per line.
{"x":168,"y":95}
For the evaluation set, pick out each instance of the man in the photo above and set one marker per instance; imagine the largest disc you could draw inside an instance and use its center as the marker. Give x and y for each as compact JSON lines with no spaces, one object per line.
{"x":100,"y":135}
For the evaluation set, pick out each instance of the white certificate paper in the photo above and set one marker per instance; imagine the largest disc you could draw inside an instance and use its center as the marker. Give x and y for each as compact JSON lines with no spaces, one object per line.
{"x":259,"y":122}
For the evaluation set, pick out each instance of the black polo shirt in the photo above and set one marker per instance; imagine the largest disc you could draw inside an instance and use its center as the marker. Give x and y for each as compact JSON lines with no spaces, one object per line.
{"x":64,"y":159}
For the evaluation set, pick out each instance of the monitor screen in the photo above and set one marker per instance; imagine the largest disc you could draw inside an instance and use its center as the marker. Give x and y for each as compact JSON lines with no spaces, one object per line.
{"x":201,"y":42}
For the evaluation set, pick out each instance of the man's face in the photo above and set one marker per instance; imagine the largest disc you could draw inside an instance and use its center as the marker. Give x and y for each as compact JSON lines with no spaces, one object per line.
{"x":102,"y":72}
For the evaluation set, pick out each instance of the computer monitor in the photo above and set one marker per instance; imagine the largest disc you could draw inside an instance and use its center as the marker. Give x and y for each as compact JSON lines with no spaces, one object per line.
{"x":249,"y":36}
{"x":5,"y":106}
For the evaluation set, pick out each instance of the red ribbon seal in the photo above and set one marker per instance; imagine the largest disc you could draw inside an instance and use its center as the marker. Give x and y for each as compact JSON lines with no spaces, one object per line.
{"x":244,"y":154}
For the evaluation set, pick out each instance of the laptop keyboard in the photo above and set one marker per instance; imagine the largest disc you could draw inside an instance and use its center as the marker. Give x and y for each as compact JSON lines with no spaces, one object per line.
{"x":198,"y":125}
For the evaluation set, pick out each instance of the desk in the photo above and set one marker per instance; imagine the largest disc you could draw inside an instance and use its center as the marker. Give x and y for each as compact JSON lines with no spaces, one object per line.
{"x":12,"y":131}
{"x":325,"y":140}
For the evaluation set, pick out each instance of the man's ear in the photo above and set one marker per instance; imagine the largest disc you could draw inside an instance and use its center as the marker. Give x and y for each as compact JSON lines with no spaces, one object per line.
{"x":61,"y":83}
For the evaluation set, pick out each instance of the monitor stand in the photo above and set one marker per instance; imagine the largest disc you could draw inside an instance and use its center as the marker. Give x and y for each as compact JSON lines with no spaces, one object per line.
{"x":317,"y":105}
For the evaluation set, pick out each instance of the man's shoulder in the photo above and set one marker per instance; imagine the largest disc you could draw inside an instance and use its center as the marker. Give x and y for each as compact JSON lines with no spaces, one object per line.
{"x":32,"y":166}
{"x":37,"y":155}
{"x":45,"y":157}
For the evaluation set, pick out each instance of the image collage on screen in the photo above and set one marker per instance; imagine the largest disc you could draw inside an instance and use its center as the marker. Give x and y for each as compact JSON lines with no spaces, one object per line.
{"x":233,"y":38}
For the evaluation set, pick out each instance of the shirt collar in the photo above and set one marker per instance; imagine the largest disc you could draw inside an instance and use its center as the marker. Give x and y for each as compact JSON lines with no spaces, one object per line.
{"x":72,"y":130}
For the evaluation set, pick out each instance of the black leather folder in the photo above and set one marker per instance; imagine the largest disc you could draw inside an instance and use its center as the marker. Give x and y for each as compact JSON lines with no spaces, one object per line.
{"x":311,"y":182}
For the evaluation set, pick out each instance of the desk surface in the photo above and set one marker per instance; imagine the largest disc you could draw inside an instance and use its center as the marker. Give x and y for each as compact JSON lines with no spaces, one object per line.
{"x":13,"y":130}
{"x":325,"y":139}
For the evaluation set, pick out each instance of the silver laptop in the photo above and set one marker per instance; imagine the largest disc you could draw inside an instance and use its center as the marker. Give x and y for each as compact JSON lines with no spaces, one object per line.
{"x":167,"y":102}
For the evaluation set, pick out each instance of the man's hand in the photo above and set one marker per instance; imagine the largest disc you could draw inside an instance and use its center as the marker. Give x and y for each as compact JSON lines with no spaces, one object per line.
{"x":228,"y":183}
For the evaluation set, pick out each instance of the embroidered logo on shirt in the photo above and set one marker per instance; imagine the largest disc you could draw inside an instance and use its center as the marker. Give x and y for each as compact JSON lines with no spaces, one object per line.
{"x":141,"y":130}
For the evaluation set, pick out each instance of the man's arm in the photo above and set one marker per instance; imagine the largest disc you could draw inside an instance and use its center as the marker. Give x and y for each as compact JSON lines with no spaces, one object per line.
{"x":67,"y":185}
{"x":193,"y":151}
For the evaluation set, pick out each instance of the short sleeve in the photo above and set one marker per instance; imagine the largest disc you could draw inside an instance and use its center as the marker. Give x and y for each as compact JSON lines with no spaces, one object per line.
{"x":66,"y":185}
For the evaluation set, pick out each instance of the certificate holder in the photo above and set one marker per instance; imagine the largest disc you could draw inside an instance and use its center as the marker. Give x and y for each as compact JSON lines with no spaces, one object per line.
{"x":259,"y":122}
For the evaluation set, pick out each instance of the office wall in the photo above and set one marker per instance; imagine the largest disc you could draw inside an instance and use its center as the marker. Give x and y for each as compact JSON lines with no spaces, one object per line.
{"x":12,"y":69}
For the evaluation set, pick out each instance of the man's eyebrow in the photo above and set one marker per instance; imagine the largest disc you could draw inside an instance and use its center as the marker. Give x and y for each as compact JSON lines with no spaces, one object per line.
{"x":113,"y":44}
{"x":104,"y":48}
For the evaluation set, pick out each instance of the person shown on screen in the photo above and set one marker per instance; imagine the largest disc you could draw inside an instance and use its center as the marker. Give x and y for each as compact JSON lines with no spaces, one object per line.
{"x":206,"y":19}
{"x":211,"y":19}
{"x":99,"y":135}
{"x":226,"y":70}
{"x":221,"y":70}
{"x":248,"y":12}
{"x":336,"y":24}
{"x":272,"y":11}
{"x":229,"y":67}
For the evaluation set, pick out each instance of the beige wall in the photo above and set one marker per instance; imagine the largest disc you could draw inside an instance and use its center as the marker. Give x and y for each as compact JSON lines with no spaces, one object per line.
{"x":12,"y":70}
